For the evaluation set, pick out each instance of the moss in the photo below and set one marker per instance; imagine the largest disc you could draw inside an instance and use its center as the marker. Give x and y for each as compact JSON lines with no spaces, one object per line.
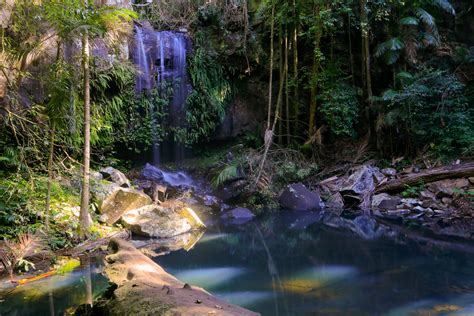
{"x":66,"y":265}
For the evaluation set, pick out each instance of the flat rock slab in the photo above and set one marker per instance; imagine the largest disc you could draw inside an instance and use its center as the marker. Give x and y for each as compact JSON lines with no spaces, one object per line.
{"x":144,"y":288}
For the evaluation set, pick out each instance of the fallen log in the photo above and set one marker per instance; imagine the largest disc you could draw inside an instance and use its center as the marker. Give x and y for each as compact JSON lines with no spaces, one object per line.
{"x":91,"y":245}
{"x":427,"y":176}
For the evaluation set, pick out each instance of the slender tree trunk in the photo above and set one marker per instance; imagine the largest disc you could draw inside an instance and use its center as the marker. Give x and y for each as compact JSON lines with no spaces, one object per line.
{"x":349,"y":41}
{"x":295,"y":70}
{"x":314,"y":83}
{"x":268,"y":136}
{"x":270,"y":81}
{"x":50,"y":175}
{"x":84,"y":213}
{"x":365,"y":50}
{"x":282,"y":77}
{"x":287,"y":92}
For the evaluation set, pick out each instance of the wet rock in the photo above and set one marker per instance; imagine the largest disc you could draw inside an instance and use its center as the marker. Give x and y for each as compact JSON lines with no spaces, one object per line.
{"x":446,"y":200}
{"x":471,"y":180}
{"x":389,"y":172}
{"x":113,"y":201}
{"x":419,"y":209}
{"x":210,"y":200}
{"x":116,"y":176}
{"x":444,"y":188}
{"x":297,"y":197}
{"x":409,"y":203}
{"x":335,"y":201}
{"x":156,"y":221}
{"x":232,"y":192}
{"x":385,"y":201}
{"x":332,"y":185}
{"x":240,"y":213}
{"x":360,"y":182}
{"x":427,"y":195}
{"x":152,"y":173}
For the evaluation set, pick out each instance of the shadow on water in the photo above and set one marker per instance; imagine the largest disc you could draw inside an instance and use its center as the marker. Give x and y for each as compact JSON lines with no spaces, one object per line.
{"x":287,"y":265}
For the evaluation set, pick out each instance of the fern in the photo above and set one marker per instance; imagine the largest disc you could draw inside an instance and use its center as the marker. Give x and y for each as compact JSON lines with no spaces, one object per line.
{"x":229,"y":173}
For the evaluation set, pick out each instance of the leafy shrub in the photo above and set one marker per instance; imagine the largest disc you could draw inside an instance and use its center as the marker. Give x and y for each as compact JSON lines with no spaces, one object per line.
{"x":291,"y":172}
{"x":340,"y":108}
{"x":430,"y":110}
{"x":205,"y":106}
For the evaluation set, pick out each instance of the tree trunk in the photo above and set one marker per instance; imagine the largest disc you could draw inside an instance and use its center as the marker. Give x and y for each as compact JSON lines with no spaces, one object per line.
{"x":427,"y":176}
{"x":295,"y":72}
{"x":287,"y":93}
{"x":50,"y":176}
{"x":270,"y":81}
{"x":314,"y":88}
{"x":349,"y":41}
{"x":364,"y":21}
{"x":84,"y":213}
{"x":282,"y":78}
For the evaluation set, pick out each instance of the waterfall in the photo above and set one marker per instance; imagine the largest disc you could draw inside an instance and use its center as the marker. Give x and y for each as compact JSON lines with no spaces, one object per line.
{"x":140,"y":59}
{"x":168,"y":69}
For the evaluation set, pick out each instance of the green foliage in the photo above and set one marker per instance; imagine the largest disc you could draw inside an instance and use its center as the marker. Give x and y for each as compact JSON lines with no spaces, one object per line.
{"x":142,"y":120}
{"x":430,"y":109}
{"x":340,"y":109}
{"x":22,"y":203}
{"x":228,"y":173}
{"x":413,"y":191}
{"x":205,"y":106}
{"x":290,"y":172}
{"x":67,"y":265}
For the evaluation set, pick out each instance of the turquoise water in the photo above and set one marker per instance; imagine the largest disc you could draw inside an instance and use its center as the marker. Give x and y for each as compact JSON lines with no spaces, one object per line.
{"x":274,"y":269}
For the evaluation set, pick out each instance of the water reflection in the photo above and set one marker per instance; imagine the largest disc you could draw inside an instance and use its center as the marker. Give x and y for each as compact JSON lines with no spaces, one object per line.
{"x":53,"y":295}
{"x":209,"y":278}
{"x":298,"y":266}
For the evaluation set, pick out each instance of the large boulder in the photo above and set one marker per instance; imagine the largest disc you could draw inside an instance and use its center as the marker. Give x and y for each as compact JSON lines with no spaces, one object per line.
{"x":116,"y":176}
{"x":113,"y":201}
{"x":297,"y":197}
{"x":363,"y":180}
{"x":150,"y":172}
{"x":160,"y":222}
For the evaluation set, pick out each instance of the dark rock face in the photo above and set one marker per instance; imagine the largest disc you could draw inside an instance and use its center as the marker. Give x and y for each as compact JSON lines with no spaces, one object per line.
{"x":297,"y":197}
{"x":242,"y":116}
{"x":152,"y":173}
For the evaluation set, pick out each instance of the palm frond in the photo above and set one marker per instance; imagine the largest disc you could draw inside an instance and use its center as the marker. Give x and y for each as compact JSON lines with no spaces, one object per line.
{"x":445,"y":5}
{"x":426,"y":18}
{"x":409,"y":21}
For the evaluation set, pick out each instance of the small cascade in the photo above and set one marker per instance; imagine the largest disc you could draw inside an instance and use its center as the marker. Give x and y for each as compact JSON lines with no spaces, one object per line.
{"x":168,"y":69}
{"x":140,"y":59}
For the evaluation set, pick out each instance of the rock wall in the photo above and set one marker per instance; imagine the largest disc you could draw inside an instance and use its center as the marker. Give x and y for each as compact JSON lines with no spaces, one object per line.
{"x":246,"y":113}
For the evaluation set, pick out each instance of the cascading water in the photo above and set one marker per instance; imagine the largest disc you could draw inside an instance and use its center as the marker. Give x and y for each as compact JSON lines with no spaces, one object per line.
{"x":140,"y":59}
{"x":168,"y":69}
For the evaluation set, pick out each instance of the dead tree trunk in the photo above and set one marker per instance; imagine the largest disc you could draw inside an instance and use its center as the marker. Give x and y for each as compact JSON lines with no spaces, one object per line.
{"x":427,"y":176}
